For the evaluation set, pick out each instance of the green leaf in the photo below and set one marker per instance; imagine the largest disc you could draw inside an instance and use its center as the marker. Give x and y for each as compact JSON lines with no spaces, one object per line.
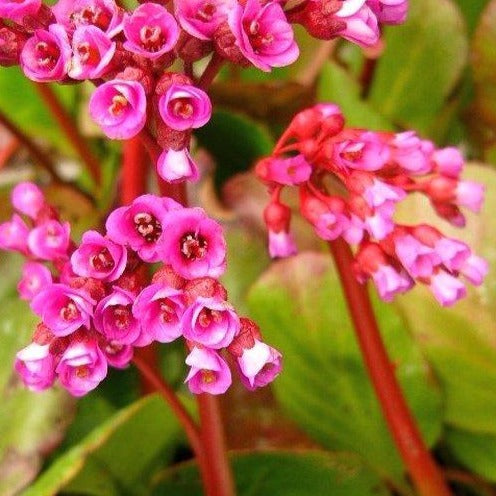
{"x":19,"y":100}
{"x":324,"y":387}
{"x":282,"y":473}
{"x":117,"y":457}
{"x":471,"y":10}
{"x":421,"y":64}
{"x":235,"y":141}
{"x":336,"y":85}
{"x":30,"y":424}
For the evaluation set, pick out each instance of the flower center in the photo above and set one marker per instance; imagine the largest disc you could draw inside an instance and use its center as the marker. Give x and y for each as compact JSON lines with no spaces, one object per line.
{"x":102,"y":261}
{"x":152,"y":38}
{"x":69,"y":312}
{"x":182,"y":107}
{"x":207,"y":12}
{"x":122,"y":316}
{"x":258,"y":39}
{"x":87,"y":53}
{"x":47,"y":55}
{"x":147,"y":226}
{"x":112,"y":348}
{"x":82,"y":371}
{"x":207,"y":316}
{"x":118,"y":105}
{"x":193,"y":246}
{"x":167,"y":313}
{"x":208,"y":376}
{"x":92,"y":15}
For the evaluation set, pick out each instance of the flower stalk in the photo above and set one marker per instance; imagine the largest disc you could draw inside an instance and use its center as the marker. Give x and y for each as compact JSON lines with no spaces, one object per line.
{"x":420,"y":464}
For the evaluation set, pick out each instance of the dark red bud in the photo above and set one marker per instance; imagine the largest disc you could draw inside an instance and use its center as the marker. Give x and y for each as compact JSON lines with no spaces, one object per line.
{"x":166,"y":275}
{"x":205,"y":287}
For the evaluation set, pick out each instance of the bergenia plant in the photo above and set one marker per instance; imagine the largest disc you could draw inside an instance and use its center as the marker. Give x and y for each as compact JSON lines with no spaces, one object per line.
{"x":150,"y":271}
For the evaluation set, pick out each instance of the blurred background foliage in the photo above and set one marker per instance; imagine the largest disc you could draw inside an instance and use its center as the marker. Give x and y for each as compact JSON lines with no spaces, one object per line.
{"x":319,"y":431}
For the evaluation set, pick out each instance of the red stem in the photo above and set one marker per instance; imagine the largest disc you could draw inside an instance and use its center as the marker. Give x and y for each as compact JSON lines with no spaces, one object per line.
{"x":70,"y":130}
{"x":422,"y":468}
{"x":210,"y":71}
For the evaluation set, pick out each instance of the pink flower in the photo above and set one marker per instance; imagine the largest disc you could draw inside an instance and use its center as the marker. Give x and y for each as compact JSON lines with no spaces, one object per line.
{"x":14,"y":235}
{"x":259,"y":365}
{"x":117,"y":355}
{"x":35,"y":278}
{"x":36,"y":367}
{"x":46,"y":56}
{"x":263,"y":34}
{"x":361,"y":26}
{"x":408,"y":151}
{"x":379,"y":223}
{"x":389,"y":11}
{"x":50,"y":240}
{"x":452,"y":252}
{"x":330,"y":225}
{"x":210,"y":322}
{"x":447,"y":289}
{"x":290,"y":171}
{"x":389,"y":282}
{"x":159,"y":308}
{"x":475,"y":269}
{"x":151,"y":31}
{"x":200,"y":18}
{"x":417,"y":258}
{"x":16,"y":10}
{"x":176,"y":166}
{"x":93,"y":52}
{"x":63,"y":309}
{"x":119,"y":108}
{"x":114,"y":317}
{"x":104,"y":14}
{"x":366,"y":153}
{"x":379,"y":193}
{"x":194,"y":244}
{"x":209,"y":373}
{"x":448,"y":161}
{"x":28,"y":199}
{"x":82,"y":367}
{"x":140,"y":225}
{"x":99,"y":257}
{"x":470,"y":194}
{"x":184,"y":107}
{"x":281,"y":244}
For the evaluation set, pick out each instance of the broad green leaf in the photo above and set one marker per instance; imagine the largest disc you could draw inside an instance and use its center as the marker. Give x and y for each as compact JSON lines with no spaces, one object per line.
{"x":235,"y":141}
{"x":336,"y":85}
{"x":282,"y":473}
{"x":117,"y":457}
{"x":484,"y":65}
{"x":421,"y":64}
{"x":476,"y":451}
{"x":19,"y":100}
{"x":471,"y":10}
{"x":31,"y":424}
{"x":299,"y":305}
{"x":460,"y":341}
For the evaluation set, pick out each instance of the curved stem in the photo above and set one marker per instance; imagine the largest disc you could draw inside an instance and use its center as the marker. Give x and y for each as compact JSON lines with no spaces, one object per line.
{"x":210,"y":71}
{"x":422,"y":468}
{"x":70,"y":130}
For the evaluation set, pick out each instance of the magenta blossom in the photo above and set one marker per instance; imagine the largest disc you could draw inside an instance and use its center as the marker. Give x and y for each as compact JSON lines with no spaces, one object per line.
{"x":448,"y":161}
{"x":151,"y":31}
{"x":99,"y":257}
{"x":290,"y":171}
{"x":210,"y":322}
{"x":28,"y":199}
{"x":259,"y":365}
{"x":263,"y":34}
{"x":14,"y":235}
{"x":361,"y":27}
{"x":93,"y":52}
{"x":16,"y":10}
{"x":114,"y":317}
{"x":82,"y":367}
{"x":36,"y":366}
{"x":281,"y":244}
{"x":35,"y":278}
{"x":389,"y":11}
{"x":175,"y":166}
{"x":475,"y":269}
{"x":194,"y":245}
{"x":366,"y":153}
{"x":104,"y":14}
{"x":46,"y":56}
{"x":50,"y":240}
{"x":411,"y":153}
{"x":200,"y":18}
{"x":209,"y":373}
{"x":117,"y":355}
{"x":159,"y":309}
{"x":119,"y":108}
{"x":184,"y":107}
{"x":63,"y":309}
{"x":140,"y":225}
{"x":447,"y":289}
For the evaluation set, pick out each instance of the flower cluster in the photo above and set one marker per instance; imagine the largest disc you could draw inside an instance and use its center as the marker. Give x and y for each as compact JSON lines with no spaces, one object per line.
{"x":96,"y":303}
{"x":126,"y":54}
{"x":350,"y":182}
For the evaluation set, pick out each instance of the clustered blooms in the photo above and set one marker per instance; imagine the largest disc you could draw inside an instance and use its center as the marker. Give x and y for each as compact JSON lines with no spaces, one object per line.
{"x":126,"y":54}
{"x":350,"y":182}
{"x":96,"y":303}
